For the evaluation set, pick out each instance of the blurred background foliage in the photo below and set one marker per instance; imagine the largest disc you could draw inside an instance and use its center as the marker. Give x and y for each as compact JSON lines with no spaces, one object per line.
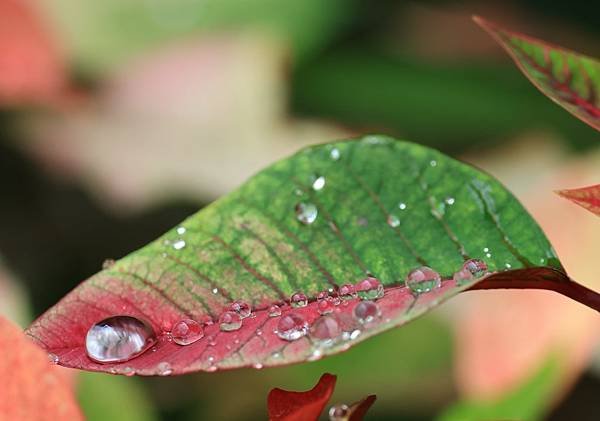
{"x":121,"y":117}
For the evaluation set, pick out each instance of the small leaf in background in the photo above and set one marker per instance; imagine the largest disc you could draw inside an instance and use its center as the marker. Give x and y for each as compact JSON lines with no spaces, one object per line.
{"x":284,"y":405}
{"x":586,"y":197}
{"x":325,"y":249}
{"x":31,"y":67}
{"x":353,"y":412}
{"x":570,"y":79}
{"x":32,"y":387}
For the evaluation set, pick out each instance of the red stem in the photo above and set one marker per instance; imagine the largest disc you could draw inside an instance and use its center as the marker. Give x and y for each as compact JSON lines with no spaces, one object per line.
{"x":541,"y":278}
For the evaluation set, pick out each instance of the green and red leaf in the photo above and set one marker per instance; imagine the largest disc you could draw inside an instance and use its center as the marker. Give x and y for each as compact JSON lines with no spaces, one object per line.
{"x":586,"y":197}
{"x":383,"y":207}
{"x":570,"y":79}
{"x":284,"y":405}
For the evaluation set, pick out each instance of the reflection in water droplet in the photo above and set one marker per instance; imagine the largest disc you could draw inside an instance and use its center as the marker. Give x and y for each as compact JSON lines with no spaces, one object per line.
{"x":335,"y":154}
{"x":274,"y":311}
{"x":292,"y":326}
{"x":393,"y":221}
{"x":325,"y":329}
{"x":180,"y":230}
{"x":241,"y":307}
{"x":229,"y":321}
{"x":319,"y":183}
{"x":298,"y":299}
{"x":338,"y":412}
{"x":347,"y":292}
{"x":306,"y":213}
{"x":164,"y":369}
{"x":366,"y":311}
{"x":179,"y":244}
{"x":118,"y":338}
{"x":369,"y":289}
{"x":186,"y":331}
{"x":423,"y":279}
{"x":108,"y":263}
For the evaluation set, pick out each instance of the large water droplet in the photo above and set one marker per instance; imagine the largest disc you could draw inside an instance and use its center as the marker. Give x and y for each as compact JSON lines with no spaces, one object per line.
{"x":366,"y":311}
{"x":369,"y":289}
{"x":118,"y":338}
{"x":274,"y":311}
{"x":306,"y":213}
{"x":241,"y":307}
{"x":292,"y":326}
{"x":229,"y":321}
{"x":179,"y":244}
{"x":164,"y":369}
{"x":393,"y":221}
{"x":319,"y":183}
{"x":298,"y":299}
{"x":423,"y":279}
{"x":338,"y":412}
{"x":325,"y":302}
{"x":325,"y":329}
{"x":186,"y":331}
{"x":347,"y":292}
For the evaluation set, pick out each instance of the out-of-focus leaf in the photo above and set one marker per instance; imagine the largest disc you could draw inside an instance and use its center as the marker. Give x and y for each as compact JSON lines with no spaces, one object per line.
{"x":587,"y":197}
{"x":13,"y":301}
{"x":31,"y":68}
{"x":570,"y":79}
{"x":324,"y":217}
{"x":114,"y":398}
{"x":284,"y":405}
{"x":32,"y":387}
{"x":528,"y":402}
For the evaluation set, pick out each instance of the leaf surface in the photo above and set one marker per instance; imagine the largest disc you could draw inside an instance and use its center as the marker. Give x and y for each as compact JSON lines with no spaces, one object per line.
{"x":384,"y":207}
{"x":586,"y":197}
{"x":570,"y":79}
{"x":32,"y":387}
{"x":285,"y":405}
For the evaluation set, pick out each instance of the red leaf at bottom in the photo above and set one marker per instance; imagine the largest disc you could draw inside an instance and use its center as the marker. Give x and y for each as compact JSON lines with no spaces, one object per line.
{"x":284,"y":405}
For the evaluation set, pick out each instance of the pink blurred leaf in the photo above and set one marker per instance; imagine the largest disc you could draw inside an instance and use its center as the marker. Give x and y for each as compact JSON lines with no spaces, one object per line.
{"x":586,"y":197}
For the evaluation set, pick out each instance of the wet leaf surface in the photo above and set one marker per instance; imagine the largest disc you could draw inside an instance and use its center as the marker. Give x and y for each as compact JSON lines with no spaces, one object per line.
{"x":570,"y":79}
{"x":322,"y":247}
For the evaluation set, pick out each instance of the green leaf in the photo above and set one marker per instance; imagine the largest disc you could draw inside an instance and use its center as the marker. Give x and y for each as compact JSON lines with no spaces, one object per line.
{"x":570,"y":79}
{"x":327,"y":216}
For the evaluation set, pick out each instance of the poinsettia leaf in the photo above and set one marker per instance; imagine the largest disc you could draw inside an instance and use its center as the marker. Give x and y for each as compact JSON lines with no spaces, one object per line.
{"x":570,"y":79}
{"x":32,"y":387}
{"x":587,"y":197}
{"x":358,"y":410}
{"x":284,"y":405}
{"x":327,"y":216}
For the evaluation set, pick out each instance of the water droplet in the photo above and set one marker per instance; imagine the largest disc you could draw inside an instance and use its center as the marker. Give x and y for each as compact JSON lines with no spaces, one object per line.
{"x":366,"y":311}
{"x":229,"y":321}
{"x":186,"y":331}
{"x":347,"y":292}
{"x":179,"y":244}
{"x":241,"y":307}
{"x":338,"y":412}
{"x":274,"y":311}
{"x":128,"y":371}
{"x":53,"y":358}
{"x":118,"y":338}
{"x":433,"y":163}
{"x":485,"y":249}
{"x":319,"y":183}
{"x":326,"y":306}
{"x":369,"y":289}
{"x":215,"y":291}
{"x":393,"y":221}
{"x":292,"y":326}
{"x":108,"y":263}
{"x":259,"y":332}
{"x":325,"y":329}
{"x":164,"y":369}
{"x":306,"y":213}
{"x":335,"y":154}
{"x":476,"y":267}
{"x":423,"y":279}
{"x":351,"y":335}
{"x":180,"y":230}
{"x":258,"y":366}
{"x":450,"y":201}
{"x":508,"y":265}
{"x":298,"y":300}
{"x":402,"y":205}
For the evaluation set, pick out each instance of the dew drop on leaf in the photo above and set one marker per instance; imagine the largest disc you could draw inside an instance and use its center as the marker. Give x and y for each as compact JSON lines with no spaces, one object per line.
{"x":179,"y":244}
{"x":291,"y":327}
{"x":366,"y":311}
{"x":230,"y":321}
{"x":164,"y":369}
{"x":338,"y":412}
{"x":347,"y":292}
{"x":53,"y":358}
{"x":241,"y":307}
{"x":335,"y":154}
{"x":186,"y":331}
{"x":298,"y":299}
{"x":180,"y":230}
{"x":306,"y":213}
{"x":274,"y":311}
{"x":118,"y":338}
{"x":393,"y":221}
{"x":369,"y":289}
{"x":319,"y":183}
{"x":402,"y":206}
{"x":423,"y":279}
{"x":325,"y":329}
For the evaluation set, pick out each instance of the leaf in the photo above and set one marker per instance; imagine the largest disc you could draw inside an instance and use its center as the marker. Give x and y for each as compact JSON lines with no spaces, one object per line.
{"x":384,"y":207}
{"x":587,"y":197}
{"x":284,"y":405}
{"x":570,"y":79}
{"x":32,"y":388}
{"x":357,"y":410}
